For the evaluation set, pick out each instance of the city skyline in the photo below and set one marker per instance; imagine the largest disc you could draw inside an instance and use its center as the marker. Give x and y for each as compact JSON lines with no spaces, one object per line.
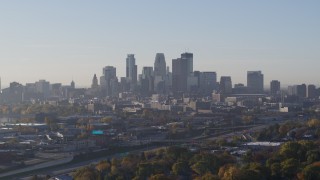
{"x":57,"y":42}
{"x":266,"y":84}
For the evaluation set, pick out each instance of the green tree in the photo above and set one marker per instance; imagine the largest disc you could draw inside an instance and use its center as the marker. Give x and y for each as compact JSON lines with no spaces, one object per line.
{"x":289,"y":167}
{"x":180,"y":168}
{"x":313,"y":156}
{"x":290,"y":150}
{"x":200,"y":167}
{"x":85,"y":173}
{"x":312,"y":171}
{"x":209,"y":176}
{"x":229,"y":172}
{"x":275,"y":171}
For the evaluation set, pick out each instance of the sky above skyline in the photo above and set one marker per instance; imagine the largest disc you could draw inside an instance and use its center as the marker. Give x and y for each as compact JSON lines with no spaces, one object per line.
{"x":64,"y":40}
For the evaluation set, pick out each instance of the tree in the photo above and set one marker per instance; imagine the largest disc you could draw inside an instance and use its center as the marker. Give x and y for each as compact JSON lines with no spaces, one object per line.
{"x":144,"y":170}
{"x":201,"y":167}
{"x":180,"y":168}
{"x":229,"y":172}
{"x":311,"y":172}
{"x":313,"y":156}
{"x":103,"y":166}
{"x":209,"y":176}
{"x":289,"y":168}
{"x":290,"y":150}
{"x":85,"y":173}
{"x":314,"y":123}
{"x":275,"y":171}
{"x":159,"y":177}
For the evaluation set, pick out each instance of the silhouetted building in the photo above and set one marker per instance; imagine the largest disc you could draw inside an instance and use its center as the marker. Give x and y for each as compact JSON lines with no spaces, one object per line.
{"x":43,"y":87}
{"x":302,"y":90}
{"x":131,"y":70}
{"x":208,"y":82}
{"x":182,"y":68}
{"x":255,"y":82}
{"x":225,"y":85}
{"x":73,"y":85}
{"x":312,"y":91}
{"x":94,"y":84}
{"x":147,"y":81}
{"x":160,"y":65}
{"x":109,"y":81}
{"x":239,"y":89}
{"x":275,"y":87}
{"x":160,"y":73}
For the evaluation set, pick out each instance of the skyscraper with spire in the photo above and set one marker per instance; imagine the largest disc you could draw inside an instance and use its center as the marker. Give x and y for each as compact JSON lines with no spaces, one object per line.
{"x":94,"y":84}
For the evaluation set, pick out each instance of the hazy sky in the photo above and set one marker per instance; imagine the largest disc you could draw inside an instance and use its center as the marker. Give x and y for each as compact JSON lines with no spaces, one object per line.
{"x":61,"y":40}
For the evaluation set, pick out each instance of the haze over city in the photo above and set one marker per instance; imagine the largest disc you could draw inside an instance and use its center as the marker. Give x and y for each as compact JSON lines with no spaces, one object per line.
{"x":62,"y":41}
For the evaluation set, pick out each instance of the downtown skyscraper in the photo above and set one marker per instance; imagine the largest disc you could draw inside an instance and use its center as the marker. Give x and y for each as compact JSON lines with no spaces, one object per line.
{"x":182,"y":69}
{"x":255,"y":82}
{"x":109,"y":81}
{"x":131,"y":71}
{"x":160,"y":72}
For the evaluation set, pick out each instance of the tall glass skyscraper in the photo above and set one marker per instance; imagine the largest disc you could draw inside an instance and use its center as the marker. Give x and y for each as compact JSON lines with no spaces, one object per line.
{"x":131,"y":69}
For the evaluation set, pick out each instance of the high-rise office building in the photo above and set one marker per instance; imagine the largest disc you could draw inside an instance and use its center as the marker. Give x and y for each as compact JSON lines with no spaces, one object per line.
{"x":312,"y":91}
{"x":43,"y":87}
{"x":160,"y":73}
{"x":292,"y":90}
{"x":147,"y":81}
{"x":109,"y":81}
{"x":94,"y":84}
{"x":208,"y":82}
{"x":255,"y":82}
{"x":275,"y":87}
{"x":182,"y":68}
{"x":160,"y":65}
{"x":302,"y":90}
{"x":73,"y":85}
{"x":131,"y":70}
{"x":225,"y":85}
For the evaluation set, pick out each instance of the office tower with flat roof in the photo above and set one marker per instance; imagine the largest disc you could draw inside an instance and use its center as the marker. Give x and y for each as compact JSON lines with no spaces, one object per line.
{"x":131,"y":70}
{"x":182,"y":68}
{"x":225,"y":85}
{"x":208,"y":82}
{"x":275,"y":87}
{"x":312,"y":91}
{"x":302,"y":90}
{"x":255,"y":82}
{"x":43,"y":87}
{"x":109,"y":81}
{"x":146,"y":81}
